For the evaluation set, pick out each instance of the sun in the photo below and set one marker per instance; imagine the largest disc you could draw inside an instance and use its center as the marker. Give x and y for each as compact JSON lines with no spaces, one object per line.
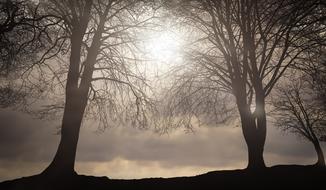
{"x":163,"y":46}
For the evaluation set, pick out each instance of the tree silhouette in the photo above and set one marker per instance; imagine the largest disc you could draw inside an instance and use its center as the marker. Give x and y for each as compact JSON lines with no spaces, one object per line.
{"x":243,"y":48}
{"x":90,"y":58}
{"x":299,"y":110}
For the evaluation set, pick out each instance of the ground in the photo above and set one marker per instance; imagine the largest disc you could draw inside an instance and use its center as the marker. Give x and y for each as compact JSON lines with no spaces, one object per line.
{"x":277,"y":177}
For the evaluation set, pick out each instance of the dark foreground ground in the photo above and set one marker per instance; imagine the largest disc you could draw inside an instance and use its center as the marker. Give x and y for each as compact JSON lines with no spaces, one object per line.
{"x":277,"y":177}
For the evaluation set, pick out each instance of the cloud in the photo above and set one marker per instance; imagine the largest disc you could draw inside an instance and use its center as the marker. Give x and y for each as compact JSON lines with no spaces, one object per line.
{"x":25,"y":139}
{"x":11,"y":169}
{"x":27,"y":146}
{"x":120,"y":168}
{"x":206,"y":147}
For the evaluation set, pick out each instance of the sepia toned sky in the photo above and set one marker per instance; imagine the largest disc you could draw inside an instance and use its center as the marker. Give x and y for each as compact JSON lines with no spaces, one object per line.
{"x":27,"y":146}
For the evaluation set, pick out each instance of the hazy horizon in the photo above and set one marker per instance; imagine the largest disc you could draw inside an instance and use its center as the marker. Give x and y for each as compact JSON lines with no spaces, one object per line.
{"x":28,"y":146}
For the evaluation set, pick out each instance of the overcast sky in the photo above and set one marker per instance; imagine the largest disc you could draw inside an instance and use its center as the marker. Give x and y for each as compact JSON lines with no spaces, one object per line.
{"x":27,"y":146}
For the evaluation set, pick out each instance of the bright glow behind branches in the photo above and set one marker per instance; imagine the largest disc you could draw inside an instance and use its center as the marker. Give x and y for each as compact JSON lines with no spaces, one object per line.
{"x":163,"y":46}
{"x":163,"y":49}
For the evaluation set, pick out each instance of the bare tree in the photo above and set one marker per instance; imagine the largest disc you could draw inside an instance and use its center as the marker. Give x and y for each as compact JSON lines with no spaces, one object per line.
{"x":243,"y":48}
{"x":90,"y":59}
{"x":299,"y":111}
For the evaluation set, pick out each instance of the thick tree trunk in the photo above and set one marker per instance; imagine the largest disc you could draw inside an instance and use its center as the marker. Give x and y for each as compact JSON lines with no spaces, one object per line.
{"x":255,"y":146}
{"x":254,"y":131}
{"x":76,"y":98}
{"x":64,"y":160}
{"x":320,"y":154}
{"x":255,"y":141}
